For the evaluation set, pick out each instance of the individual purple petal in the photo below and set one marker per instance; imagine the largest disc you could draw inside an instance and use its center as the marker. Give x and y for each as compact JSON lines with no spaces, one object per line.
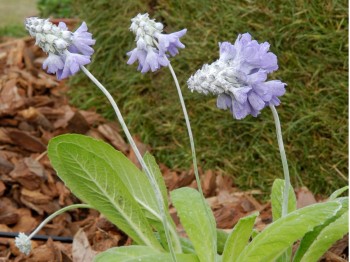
{"x":163,"y":60}
{"x":53,"y":63}
{"x":242,"y":41}
{"x":275,"y":101}
{"x":240,"y":111}
{"x":154,"y":61}
{"x":227,"y":51}
{"x":72,"y":64}
{"x":82,"y":40}
{"x":277,"y":87}
{"x":151,"y":62}
{"x":255,"y":101}
{"x":136,"y":54}
{"x":257,"y":77}
{"x":240,"y":93}
{"x":267,"y":90}
{"x":59,"y":74}
{"x":224,"y":101}
{"x":73,"y":49}
{"x":170,"y":42}
{"x":269,"y":62}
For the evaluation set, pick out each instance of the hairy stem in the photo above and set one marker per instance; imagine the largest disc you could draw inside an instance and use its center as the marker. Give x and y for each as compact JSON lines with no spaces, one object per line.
{"x":189,"y":130}
{"x":58,"y":212}
{"x":287,"y":184}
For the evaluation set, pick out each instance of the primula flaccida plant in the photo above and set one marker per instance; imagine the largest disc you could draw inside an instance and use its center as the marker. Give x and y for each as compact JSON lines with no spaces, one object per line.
{"x":136,"y":201}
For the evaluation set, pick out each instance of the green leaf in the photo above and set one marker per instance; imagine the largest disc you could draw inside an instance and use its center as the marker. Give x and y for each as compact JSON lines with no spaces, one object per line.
{"x":319,"y":240}
{"x":154,"y":168}
{"x":327,"y":237}
{"x":193,"y":212}
{"x":277,"y":199}
{"x":255,"y":233}
{"x":239,"y":238}
{"x":140,"y":253}
{"x":221,"y":240}
{"x":154,"y":214}
{"x":187,"y":245}
{"x":338,"y":192}
{"x":276,"y":203}
{"x":282,"y":233}
{"x":93,"y":171}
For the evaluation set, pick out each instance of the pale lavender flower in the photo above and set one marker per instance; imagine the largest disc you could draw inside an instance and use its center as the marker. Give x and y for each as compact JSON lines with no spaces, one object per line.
{"x":152,"y":47}
{"x":239,"y":76}
{"x":67,"y":50}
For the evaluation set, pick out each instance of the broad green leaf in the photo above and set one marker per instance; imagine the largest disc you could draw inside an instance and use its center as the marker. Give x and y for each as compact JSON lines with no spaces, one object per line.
{"x":277,"y":199}
{"x":154,"y":168}
{"x":239,"y":238}
{"x":193,"y":212}
{"x":338,"y":192}
{"x":324,"y":235}
{"x":327,"y":237}
{"x":187,"y":246}
{"x":86,"y":167}
{"x":154,"y":214}
{"x":140,"y":253}
{"x":282,"y":233}
{"x":276,"y":203}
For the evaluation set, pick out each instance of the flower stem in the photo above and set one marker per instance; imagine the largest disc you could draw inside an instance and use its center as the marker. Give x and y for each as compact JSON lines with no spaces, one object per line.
{"x":189,"y":130}
{"x":139,"y":157}
{"x":58,"y":212}
{"x":287,"y":184}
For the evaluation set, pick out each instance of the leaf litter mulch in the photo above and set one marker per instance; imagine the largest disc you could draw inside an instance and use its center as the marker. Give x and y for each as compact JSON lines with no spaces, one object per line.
{"x":33,"y":109}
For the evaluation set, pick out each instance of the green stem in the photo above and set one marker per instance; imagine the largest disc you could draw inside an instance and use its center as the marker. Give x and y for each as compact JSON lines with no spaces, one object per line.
{"x":58,"y":212}
{"x":287,"y":184}
{"x":189,"y":130}
{"x":149,"y":175}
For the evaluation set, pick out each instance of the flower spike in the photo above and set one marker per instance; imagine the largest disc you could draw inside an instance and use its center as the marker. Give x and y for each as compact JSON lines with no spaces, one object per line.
{"x":67,"y":51}
{"x":152,"y":47}
{"x":239,"y":76}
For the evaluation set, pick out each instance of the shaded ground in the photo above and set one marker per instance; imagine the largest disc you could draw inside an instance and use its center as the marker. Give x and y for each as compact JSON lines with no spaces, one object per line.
{"x":33,"y":109}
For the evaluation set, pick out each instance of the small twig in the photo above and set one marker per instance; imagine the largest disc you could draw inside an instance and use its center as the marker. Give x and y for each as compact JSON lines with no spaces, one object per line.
{"x":41,"y":156}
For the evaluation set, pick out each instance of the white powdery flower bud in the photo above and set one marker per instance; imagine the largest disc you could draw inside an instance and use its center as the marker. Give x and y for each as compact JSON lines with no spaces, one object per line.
{"x":216,"y":78}
{"x":145,"y":28}
{"x":48,"y":36}
{"x":23,"y":243}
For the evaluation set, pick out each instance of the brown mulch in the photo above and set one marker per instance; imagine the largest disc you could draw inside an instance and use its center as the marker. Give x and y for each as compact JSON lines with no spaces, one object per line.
{"x":33,"y":109}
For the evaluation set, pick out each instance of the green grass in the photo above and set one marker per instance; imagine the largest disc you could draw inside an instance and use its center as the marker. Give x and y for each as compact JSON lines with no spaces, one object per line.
{"x":310,"y":40}
{"x":13,"y":14}
{"x":13,"y":30}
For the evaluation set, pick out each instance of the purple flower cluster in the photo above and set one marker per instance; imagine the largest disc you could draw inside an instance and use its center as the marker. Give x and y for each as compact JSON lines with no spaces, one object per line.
{"x":67,"y":51}
{"x":239,"y":76}
{"x":151,"y":45}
